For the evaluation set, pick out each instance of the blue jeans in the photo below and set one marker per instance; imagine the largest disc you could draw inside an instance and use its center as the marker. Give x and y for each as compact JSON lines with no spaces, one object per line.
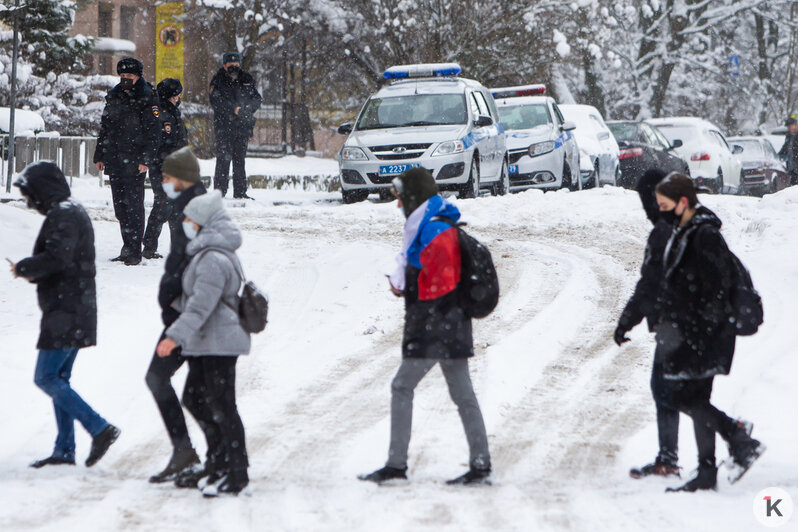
{"x":53,"y":370}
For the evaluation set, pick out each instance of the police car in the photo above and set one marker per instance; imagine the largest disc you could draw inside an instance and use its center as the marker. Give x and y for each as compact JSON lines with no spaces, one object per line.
{"x":542,"y":149}
{"x":426,"y":116}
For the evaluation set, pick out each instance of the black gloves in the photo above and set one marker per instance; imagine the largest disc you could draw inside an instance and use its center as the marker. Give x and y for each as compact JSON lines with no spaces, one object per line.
{"x":620,"y":335}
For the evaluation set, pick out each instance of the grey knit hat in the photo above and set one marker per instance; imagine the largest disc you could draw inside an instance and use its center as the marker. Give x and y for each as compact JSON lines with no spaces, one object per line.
{"x":202,"y":208}
{"x":182,"y":164}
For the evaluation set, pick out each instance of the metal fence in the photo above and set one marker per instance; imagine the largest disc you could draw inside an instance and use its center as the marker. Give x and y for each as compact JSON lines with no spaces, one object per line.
{"x":73,"y":155}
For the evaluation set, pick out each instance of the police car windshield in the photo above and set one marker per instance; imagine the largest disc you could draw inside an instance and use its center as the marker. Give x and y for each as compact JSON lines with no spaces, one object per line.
{"x":524,"y":116}
{"x":414,"y":110}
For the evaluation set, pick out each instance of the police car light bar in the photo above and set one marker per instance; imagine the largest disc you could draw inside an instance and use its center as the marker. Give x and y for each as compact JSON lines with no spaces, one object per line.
{"x":520,"y":90}
{"x":426,"y":70}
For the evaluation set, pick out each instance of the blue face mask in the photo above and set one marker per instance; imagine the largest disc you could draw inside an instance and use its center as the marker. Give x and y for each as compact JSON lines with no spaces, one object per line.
{"x":188,"y":229}
{"x":169,"y":190}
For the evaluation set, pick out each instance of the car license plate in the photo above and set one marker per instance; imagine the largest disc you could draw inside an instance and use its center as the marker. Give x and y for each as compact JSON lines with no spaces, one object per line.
{"x":513,"y":169}
{"x":395,"y":169}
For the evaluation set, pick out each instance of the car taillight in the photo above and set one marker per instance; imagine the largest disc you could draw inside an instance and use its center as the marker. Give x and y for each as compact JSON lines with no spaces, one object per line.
{"x":700,"y":156}
{"x":628,"y":153}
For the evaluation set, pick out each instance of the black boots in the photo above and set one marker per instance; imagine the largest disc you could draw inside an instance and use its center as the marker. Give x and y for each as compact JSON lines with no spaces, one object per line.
{"x":744,"y":451}
{"x":52,"y":460}
{"x":385,"y":474}
{"x":180,"y":461}
{"x":230,"y":483}
{"x":706,"y":478}
{"x":101,"y":443}
{"x":472,"y":477}
{"x":659,"y":467}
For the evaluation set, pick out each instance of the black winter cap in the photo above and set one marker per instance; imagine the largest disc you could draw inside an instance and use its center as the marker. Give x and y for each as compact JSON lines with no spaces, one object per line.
{"x":168,"y":88}
{"x":231,"y":57}
{"x":44,"y":184}
{"x":645,"y":187}
{"x":415,"y":186}
{"x":130,"y":65}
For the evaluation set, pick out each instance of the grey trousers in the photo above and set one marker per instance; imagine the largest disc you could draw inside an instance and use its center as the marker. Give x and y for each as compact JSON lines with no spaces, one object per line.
{"x":461,"y":390}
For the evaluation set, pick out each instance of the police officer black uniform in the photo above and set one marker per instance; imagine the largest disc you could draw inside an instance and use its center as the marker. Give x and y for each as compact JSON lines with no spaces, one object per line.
{"x":789,"y":151}
{"x":173,"y":137}
{"x":130,"y":135}
{"x":234,"y":99}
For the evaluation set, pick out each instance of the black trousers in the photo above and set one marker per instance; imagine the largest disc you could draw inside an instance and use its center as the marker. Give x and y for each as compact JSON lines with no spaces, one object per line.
{"x":159,"y":381}
{"x":692,"y":397}
{"x":161,"y":209}
{"x":231,"y":147}
{"x":210,"y":396}
{"x":667,"y":415}
{"x":127,"y":192}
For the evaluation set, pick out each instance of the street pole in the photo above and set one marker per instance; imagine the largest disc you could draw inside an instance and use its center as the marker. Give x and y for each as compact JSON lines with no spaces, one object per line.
{"x":13,"y":98}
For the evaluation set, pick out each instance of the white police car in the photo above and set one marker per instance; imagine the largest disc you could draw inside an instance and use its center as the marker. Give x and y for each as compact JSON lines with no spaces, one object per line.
{"x":542,"y":150}
{"x":426,"y":116}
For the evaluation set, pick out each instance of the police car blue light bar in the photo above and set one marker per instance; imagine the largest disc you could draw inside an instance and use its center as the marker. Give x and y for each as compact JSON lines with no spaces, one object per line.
{"x":520,"y":90}
{"x":424,"y":70}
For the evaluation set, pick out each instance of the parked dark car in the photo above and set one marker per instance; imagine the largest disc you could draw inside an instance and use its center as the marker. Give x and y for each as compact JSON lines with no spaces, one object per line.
{"x":763,"y":172}
{"x":643,"y":147}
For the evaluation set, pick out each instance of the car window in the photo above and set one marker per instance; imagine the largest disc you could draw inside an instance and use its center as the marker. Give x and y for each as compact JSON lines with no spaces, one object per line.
{"x":494,"y":113}
{"x":413,"y":110}
{"x":624,"y":132}
{"x":662,"y":140}
{"x":474,"y":106}
{"x":483,"y":105}
{"x":524,"y":116}
{"x":752,"y":150}
{"x":720,"y":140}
{"x":769,"y":149}
{"x":649,"y":137}
{"x":557,"y":113}
{"x":686,"y":134}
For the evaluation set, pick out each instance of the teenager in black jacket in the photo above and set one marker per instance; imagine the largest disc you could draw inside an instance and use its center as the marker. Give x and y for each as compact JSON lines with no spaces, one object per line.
{"x":695,"y":334}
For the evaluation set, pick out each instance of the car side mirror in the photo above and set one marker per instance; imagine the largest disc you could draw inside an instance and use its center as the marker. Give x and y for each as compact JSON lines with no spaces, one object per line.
{"x":623,"y":144}
{"x":483,"y":121}
{"x":568,"y":126}
{"x":677,"y":143}
{"x":345,"y":129}
{"x":736,"y":148}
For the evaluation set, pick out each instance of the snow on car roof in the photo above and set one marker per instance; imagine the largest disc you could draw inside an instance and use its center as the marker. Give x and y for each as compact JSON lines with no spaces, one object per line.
{"x":682,"y":121}
{"x":521,"y":100}
{"x":427,"y":86}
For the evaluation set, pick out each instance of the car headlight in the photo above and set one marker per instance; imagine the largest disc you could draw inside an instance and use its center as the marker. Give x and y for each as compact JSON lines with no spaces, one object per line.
{"x":352,"y":153}
{"x":450,"y":147}
{"x":540,"y":148}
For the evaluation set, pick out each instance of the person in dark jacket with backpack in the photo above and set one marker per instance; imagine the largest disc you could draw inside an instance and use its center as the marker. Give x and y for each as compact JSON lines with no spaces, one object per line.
{"x":181,"y":184}
{"x":173,"y":137}
{"x":644,"y":304}
{"x":696,"y":330}
{"x":62,"y":268}
{"x":437,"y":329}
{"x":235,"y":99}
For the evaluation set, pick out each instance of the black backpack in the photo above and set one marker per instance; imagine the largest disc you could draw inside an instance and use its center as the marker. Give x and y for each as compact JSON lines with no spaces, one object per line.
{"x":253,"y":305}
{"x":748,"y":313}
{"x":478,"y":291}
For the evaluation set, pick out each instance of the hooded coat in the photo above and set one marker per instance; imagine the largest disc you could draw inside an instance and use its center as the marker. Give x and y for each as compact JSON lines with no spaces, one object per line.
{"x":130,"y":130}
{"x":695,"y":335}
{"x":227,"y":94}
{"x":209,"y":324}
{"x":436,"y":327}
{"x":62,"y":264}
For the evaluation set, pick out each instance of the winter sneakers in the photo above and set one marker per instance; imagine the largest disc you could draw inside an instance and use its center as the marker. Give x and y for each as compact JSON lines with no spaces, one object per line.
{"x":472,"y":477}
{"x":743,"y":454}
{"x":180,"y":461}
{"x":231,"y":483}
{"x":51,"y":460}
{"x":659,"y":468}
{"x":706,"y":478}
{"x":385,"y":474}
{"x":101,"y":443}
{"x":191,"y":475}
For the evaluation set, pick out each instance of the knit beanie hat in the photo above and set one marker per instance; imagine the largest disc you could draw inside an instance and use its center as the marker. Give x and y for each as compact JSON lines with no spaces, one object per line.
{"x":130,"y":65}
{"x":182,"y":164}
{"x":414,"y":187}
{"x":231,"y":57}
{"x":202,"y":208}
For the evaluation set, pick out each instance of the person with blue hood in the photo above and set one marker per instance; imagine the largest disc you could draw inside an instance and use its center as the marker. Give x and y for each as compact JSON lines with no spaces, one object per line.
{"x":62,"y":268}
{"x":437,"y":330}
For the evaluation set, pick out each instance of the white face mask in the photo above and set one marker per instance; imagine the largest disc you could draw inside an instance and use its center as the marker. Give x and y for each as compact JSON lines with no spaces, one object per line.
{"x":189,"y":230}
{"x":169,"y":190}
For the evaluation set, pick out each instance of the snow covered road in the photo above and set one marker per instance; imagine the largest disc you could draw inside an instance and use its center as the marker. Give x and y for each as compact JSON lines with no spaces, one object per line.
{"x":567,"y":411}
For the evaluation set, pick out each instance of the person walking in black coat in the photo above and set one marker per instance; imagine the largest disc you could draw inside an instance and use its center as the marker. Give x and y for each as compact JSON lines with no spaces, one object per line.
{"x":62,"y":268}
{"x":696,"y":332}
{"x":173,"y":137}
{"x":182,"y":183}
{"x":130,"y":134}
{"x":234,"y":99}
{"x":437,"y":330}
{"x":789,"y":150}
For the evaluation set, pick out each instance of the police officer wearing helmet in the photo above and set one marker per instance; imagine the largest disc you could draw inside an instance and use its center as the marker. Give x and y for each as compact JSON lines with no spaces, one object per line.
{"x":130,"y":135}
{"x":173,"y":137}
{"x":234,"y":99}
{"x":789,"y":151}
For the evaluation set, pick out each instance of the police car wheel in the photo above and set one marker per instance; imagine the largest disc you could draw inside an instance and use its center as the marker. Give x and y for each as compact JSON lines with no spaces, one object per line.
{"x":354,"y":196}
{"x":471,"y":187}
{"x":566,"y":176}
{"x":502,"y":186}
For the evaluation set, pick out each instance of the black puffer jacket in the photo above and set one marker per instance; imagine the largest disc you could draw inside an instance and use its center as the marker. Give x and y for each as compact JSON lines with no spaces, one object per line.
{"x":227,"y":94}
{"x":62,"y":264}
{"x":695,"y":336}
{"x":173,"y":130}
{"x":171,"y":282}
{"x":130,"y":130}
{"x":789,"y":152}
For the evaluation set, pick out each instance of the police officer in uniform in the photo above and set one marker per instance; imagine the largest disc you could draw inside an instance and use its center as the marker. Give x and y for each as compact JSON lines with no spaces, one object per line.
{"x":234,"y":99}
{"x":789,"y":151}
{"x":130,"y":135}
{"x":173,"y":137}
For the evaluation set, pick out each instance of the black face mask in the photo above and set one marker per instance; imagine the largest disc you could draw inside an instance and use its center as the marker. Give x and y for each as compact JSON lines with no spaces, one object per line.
{"x":126,"y":84}
{"x":177,"y":103}
{"x":670,"y":217}
{"x":234,"y":71}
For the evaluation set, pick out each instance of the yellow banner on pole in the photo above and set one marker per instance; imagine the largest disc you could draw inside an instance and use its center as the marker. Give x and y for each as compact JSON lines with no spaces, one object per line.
{"x":169,"y":41}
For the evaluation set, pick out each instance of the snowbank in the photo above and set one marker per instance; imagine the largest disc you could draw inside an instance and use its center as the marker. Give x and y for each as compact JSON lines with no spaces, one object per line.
{"x":24,"y":121}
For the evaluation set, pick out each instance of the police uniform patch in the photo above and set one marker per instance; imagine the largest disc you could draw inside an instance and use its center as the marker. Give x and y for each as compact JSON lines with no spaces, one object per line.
{"x":156,"y":111}
{"x":167,"y":127}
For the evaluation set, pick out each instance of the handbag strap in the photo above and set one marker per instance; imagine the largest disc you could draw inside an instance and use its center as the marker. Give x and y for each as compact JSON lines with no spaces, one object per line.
{"x":233,"y":258}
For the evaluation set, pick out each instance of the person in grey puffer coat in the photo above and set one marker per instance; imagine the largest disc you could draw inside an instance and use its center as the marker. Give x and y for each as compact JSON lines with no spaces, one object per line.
{"x":211,"y":338}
